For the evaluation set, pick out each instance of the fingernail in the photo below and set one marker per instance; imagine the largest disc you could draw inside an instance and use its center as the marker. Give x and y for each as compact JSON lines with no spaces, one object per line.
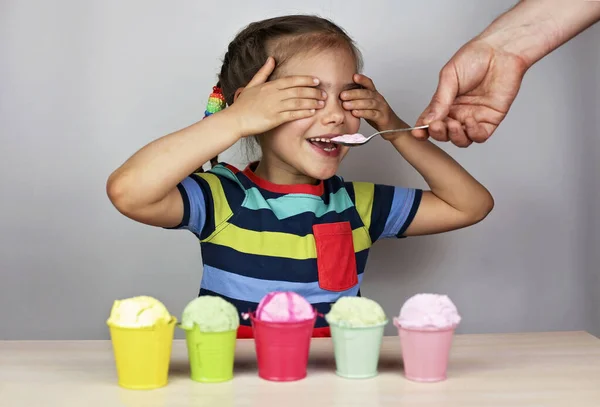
{"x":321,"y":103}
{"x":429,"y":118}
{"x":315,"y":80}
{"x":324,"y":94}
{"x":343,"y":95}
{"x":312,"y":110}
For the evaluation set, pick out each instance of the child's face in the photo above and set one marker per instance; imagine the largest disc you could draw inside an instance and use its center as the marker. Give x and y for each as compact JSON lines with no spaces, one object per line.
{"x":287,"y":147}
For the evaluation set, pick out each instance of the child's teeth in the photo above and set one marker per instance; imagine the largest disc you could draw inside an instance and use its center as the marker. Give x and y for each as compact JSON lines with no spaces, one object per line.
{"x":324,"y":140}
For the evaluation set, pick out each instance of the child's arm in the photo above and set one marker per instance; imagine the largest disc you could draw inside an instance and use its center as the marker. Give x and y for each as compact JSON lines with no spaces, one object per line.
{"x":456,"y":199}
{"x":145,"y":189}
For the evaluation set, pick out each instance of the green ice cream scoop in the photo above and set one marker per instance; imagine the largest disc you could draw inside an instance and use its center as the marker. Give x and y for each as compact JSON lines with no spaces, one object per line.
{"x":210,"y":314}
{"x":356,"y":312}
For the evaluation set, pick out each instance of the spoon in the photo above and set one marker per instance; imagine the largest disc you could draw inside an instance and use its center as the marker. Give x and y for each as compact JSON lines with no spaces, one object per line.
{"x":353,"y":140}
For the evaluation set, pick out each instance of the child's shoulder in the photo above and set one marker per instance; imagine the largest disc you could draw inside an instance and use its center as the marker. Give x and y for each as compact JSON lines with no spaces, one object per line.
{"x":223,"y":183}
{"x":356,"y":190}
{"x":337,"y":181}
{"x":222,"y":172}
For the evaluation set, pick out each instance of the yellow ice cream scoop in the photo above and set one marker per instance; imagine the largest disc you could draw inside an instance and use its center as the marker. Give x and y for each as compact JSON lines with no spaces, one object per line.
{"x":138,"y":312}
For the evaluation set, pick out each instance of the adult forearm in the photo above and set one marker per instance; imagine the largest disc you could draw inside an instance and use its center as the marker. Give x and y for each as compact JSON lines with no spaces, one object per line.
{"x":534,"y":28}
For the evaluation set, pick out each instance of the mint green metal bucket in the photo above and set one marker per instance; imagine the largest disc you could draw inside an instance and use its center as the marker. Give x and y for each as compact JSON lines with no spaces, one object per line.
{"x":357,"y":350}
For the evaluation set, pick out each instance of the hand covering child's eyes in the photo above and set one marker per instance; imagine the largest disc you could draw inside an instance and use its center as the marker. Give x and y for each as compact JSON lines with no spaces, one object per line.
{"x":367,"y":103}
{"x":263,"y":105}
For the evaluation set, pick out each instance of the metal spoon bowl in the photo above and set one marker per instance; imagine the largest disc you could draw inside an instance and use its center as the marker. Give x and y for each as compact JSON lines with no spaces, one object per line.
{"x":367,"y":139}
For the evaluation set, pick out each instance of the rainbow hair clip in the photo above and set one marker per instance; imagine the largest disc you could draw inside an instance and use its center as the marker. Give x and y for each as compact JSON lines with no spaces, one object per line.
{"x":216,"y":102}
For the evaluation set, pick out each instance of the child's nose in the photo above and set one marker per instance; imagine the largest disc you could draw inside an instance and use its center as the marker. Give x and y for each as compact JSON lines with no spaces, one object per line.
{"x":333,"y":112}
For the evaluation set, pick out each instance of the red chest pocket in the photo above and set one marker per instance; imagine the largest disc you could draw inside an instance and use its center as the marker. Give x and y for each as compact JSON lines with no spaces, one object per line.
{"x":336,"y":261}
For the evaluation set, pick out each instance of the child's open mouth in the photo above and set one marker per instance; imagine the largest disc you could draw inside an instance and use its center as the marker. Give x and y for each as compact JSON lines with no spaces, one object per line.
{"x":324,"y":145}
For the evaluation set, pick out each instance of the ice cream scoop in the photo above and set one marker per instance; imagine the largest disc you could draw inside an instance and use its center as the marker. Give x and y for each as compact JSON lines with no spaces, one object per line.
{"x":428,"y":311}
{"x":211,"y":314}
{"x":138,"y":312}
{"x":355,"y":312}
{"x":284,"y":306}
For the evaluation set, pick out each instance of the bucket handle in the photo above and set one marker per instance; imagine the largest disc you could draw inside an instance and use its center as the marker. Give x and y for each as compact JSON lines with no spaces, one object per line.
{"x":250,"y":313}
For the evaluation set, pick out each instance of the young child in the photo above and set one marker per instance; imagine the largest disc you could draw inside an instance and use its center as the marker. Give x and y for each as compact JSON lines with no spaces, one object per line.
{"x":287,"y":222}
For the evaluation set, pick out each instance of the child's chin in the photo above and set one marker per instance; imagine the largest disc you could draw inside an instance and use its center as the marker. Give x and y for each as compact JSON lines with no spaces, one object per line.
{"x":323,"y":173}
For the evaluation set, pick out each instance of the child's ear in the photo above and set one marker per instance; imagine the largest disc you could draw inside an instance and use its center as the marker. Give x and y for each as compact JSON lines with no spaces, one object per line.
{"x":237,"y":94}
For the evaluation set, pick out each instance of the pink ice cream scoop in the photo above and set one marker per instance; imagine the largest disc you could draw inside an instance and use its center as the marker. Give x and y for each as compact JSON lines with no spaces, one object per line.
{"x":284,"y":306}
{"x":350,"y":138}
{"x":431,"y":311}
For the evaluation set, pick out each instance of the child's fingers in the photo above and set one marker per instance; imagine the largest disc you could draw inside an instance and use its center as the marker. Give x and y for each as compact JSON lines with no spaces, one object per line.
{"x":303,"y":93}
{"x":300,"y":104}
{"x":295,"y":82}
{"x":263,"y":73}
{"x":361,"y":104}
{"x":367,"y":114}
{"x":364,"y":81}
{"x":291,"y":115}
{"x":358,"y":94}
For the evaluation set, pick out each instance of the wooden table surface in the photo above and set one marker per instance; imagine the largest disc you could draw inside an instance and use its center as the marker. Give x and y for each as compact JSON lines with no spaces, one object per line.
{"x":532,"y":369}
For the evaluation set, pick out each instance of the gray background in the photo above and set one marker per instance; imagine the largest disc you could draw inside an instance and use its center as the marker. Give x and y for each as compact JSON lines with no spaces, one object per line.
{"x":85,"y":84}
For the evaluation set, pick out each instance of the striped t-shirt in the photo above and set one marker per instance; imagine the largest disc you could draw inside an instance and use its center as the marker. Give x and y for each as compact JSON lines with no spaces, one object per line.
{"x":257,"y":237}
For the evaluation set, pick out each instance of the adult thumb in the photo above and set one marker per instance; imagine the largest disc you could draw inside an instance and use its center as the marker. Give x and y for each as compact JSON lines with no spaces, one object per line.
{"x":444,"y":96}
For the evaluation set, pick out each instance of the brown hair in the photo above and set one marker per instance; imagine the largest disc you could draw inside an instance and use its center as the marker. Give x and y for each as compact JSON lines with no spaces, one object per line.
{"x":282,"y":38}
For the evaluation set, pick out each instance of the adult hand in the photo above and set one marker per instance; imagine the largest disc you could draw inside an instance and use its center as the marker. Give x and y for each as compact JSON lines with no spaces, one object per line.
{"x":475,"y":91}
{"x":480,"y":82}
